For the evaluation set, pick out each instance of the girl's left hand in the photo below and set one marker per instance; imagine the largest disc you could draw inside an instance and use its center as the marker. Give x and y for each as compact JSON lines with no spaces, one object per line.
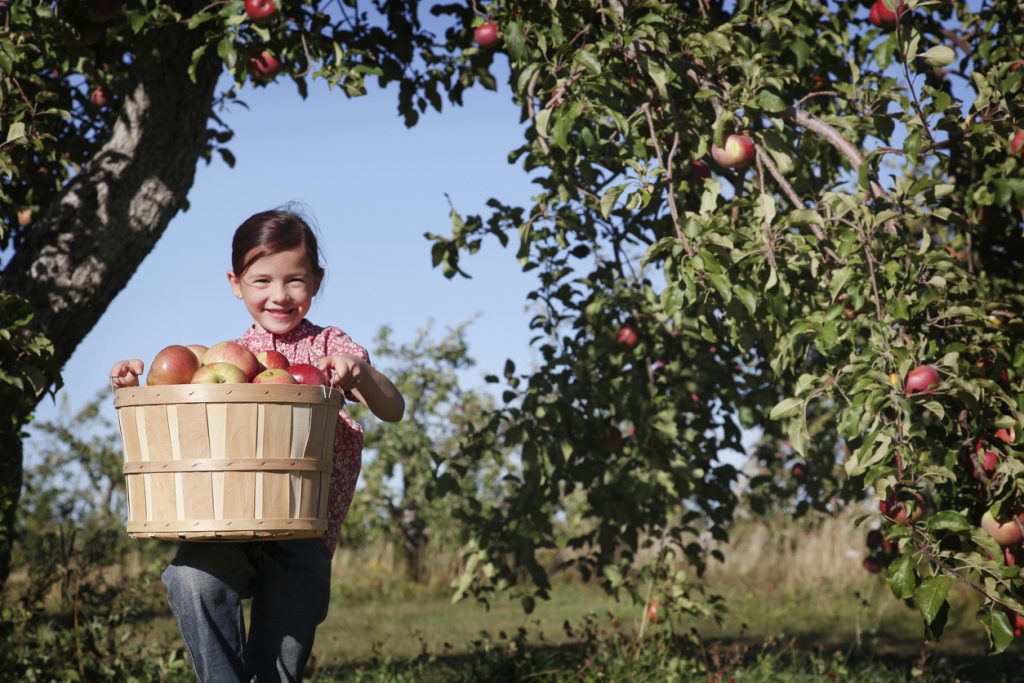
{"x":349,"y":371}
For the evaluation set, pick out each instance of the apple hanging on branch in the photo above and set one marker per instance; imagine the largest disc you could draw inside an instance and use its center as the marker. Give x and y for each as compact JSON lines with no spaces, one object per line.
{"x":738,"y":152}
{"x":265,"y":66}
{"x":627,"y":336}
{"x":485,"y":34}
{"x":883,"y":17}
{"x":921,"y":379}
{"x":260,"y":10}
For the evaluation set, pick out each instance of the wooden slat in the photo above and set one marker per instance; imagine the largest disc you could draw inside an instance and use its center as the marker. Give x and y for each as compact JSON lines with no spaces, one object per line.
{"x":132,"y":453}
{"x":158,"y":440}
{"x":194,"y":444}
{"x":277,"y":436}
{"x":239,"y":487}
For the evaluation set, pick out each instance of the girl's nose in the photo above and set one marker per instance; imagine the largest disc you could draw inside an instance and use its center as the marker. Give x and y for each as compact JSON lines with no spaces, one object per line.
{"x":279,"y":294}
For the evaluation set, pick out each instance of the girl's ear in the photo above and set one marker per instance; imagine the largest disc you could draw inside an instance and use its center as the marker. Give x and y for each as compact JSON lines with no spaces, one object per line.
{"x":236,"y":285}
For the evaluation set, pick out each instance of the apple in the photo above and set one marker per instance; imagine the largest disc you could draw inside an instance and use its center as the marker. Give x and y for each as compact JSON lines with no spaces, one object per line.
{"x":699,"y":171}
{"x":264,"y":66}
{"x":1016,"y":621}
{"x":272,"y":360}
{"x":99,"y":96}
{"x":25,"y":217}
{"x":260,"y":10}
{"x":485,"y":34}
{"x":1017,"y":142}
{"x":894,"y":507}
{"x":1014,"y":556}
{"x":1005,"y":436}
{"x":219,"y":373}
{"x":921,"y":379}
{"x":882,"y":16}
{"x":89,"y":33}
{"x":1004,"y":533}
{"x":304,"y":373}
{"x":236,"y":354}
{"x":799,"y":471}
{"x":101,"y":11}
{"x":627,"y":336}
{"x":174,"y":364}
{"x":199,"y":350}
{"x":872,"y":564}
{"x":738,"y":152}
{"x":652,"y":611}
{"x":274,"y":376}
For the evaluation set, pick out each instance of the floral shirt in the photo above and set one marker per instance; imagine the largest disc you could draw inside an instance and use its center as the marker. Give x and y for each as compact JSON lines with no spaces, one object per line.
{"x":308,"y":343}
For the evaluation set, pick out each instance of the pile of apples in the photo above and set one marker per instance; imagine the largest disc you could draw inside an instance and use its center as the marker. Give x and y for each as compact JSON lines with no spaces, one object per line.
{"x":228,"y":363}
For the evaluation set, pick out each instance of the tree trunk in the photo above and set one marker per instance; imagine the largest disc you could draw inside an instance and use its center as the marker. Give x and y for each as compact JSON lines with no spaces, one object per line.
{"x":90,"y":240}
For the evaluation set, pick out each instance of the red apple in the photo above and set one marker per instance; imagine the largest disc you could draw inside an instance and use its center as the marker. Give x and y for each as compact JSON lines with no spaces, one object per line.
{"x":236,"y":354}
{"x":264,"y":66}
{"x":1014,"y":556}
{"x":872,"y":564}
{"x":1005,"y":436}
{"x":1005,"y":533}
{"x":738,"y":152}
{"x":272,"y":360}
{"x":199,"y":350}
{"x":485,"y":34}
{"x":699,"y":171}
{"x":627,"y":336}
{"x":884,"y":17}
{"x":101,"y":11}
{"x":24,"y":217}
{"x":99,"y":96}
{"x":260,"y":10}
{"x":219,"y":373}
{"x":799,"y":471}
{"x":174,"y":364}
{"x":921,"y":379}
{"x":1016,"y":621}
{"x":274,"y":376}
{"x":652,"y":610}
{"x":304,"y":373}
{"x":894,"y":507}
{"x":1017,"y":142}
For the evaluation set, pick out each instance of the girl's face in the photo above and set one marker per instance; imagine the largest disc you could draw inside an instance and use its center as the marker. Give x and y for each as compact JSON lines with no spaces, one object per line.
{"x":278,"y":289}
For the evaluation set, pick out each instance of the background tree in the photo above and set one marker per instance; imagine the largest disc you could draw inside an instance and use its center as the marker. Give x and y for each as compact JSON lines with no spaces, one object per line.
{"x":866,"y":223}
{"x":108,"y":105}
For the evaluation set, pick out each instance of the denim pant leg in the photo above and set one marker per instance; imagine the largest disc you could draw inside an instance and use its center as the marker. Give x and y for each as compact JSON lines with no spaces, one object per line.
{"x":205,"y":584}
{"x":290,"y":599}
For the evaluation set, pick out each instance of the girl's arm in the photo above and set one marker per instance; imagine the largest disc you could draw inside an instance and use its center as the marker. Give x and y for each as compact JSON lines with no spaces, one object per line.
{"x":369,"y":385}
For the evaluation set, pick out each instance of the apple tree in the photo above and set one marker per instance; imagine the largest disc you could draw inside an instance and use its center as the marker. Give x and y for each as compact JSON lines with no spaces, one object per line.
{"x":106,"y":107}
{"x":798,"y":218}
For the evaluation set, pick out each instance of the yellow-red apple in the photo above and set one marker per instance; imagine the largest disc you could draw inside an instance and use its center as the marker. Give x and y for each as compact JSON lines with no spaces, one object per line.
{"x":219,"y":373}
{"x":173,"y":364}
{"x":1005,"y":533}
{"x":235,"y":354}
{"x":274,"y":376}
{"x":737,"y":153}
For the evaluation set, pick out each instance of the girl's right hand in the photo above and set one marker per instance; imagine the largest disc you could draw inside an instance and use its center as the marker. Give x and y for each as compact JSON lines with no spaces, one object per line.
{"x":126,"y":373}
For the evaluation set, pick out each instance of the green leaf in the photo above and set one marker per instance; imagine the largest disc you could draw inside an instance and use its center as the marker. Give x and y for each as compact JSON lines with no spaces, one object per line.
{"x":587,"y":60}
{"x":930,"y":595}
{"x":770,"y":102}
{"x":722,"y":285}
{"x":540,"y":122}
{"x":16,"y":131}
{"x":226,"y":51}
{"x":948,"y":520}
{"x":938,"y":56}
{"x":936,"y":407}
{"x":515,"y":43}
{"x":902,"y":577}
{"x":609,"y":198}
{"x":1000,"y":632}
{"x":787,"y":407}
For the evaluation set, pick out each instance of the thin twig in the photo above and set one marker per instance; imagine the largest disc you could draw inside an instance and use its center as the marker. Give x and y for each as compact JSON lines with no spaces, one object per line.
{"x":666,"y":163}
{"x":797,"y":203}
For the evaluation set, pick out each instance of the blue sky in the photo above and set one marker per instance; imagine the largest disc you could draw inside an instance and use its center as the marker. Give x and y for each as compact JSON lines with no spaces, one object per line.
{"x":374,"y":187}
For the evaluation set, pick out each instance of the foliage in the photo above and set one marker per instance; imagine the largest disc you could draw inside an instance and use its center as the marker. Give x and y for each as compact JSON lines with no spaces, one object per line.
{"x":406,"y":460}
{"x":85,"y":611}
{"x":878,"y":229}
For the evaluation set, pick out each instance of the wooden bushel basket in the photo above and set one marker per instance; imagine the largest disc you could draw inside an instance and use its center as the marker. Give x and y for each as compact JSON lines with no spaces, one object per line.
{"x":227,"y":462}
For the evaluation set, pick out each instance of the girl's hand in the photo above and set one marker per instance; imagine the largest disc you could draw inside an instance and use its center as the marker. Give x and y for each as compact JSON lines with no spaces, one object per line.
{"x":126,"y":373}
{"x":349,"y":371}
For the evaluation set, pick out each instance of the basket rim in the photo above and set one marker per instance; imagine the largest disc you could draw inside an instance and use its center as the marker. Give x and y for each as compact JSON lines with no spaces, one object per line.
{"x":226,"y":393}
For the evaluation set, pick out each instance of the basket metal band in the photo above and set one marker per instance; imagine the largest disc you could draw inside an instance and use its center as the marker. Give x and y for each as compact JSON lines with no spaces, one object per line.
{"x":241,"y":464}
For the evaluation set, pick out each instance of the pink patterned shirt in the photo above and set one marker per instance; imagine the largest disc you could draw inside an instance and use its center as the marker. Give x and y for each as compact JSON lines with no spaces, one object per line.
{"x":308,"y":343}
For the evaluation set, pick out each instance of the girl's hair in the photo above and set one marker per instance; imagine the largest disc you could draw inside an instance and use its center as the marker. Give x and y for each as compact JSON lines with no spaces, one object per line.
{"x":271,"y":232}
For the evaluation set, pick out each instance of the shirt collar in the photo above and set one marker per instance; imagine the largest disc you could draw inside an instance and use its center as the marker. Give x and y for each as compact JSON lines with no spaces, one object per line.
{"x":254,"y":334}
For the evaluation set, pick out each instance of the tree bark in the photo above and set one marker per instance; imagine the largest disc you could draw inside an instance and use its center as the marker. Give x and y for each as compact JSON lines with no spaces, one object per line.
{"x":94,"y":235}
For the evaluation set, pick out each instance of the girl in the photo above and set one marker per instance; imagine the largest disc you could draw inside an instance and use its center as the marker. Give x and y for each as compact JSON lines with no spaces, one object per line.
{"x":276,"y":271}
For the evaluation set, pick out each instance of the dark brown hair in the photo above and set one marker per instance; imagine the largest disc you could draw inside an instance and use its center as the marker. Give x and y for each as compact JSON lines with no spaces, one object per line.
{"x":271,"y":232}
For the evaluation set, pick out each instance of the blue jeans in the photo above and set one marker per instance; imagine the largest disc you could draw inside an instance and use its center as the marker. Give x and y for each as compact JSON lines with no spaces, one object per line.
{"x":289,"y":583}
